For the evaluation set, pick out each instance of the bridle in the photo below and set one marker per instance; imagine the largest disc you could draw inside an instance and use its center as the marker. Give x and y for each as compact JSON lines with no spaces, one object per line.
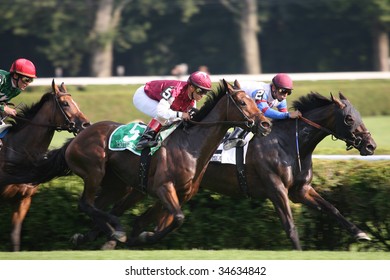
{"x":67,"y":126}
{"x":356,"y":141}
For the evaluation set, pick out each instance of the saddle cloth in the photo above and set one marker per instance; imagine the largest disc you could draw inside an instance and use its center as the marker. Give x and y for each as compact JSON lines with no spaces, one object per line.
{"x":126,"y":137}
{"x":229,"y":156}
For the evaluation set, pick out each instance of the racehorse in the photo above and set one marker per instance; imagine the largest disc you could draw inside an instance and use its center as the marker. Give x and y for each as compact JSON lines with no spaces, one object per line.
{"x":277,"y":167}
{"x":176,"y":168}
{"x":29,"y":137}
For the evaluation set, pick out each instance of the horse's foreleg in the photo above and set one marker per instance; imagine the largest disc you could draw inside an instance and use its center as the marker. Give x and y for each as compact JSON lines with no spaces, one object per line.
{"x":280,"y":201}
{"x":18,"y":215}
{"x":309,"y":197}
{"x":172,"y":219}
{"x":107,"y":223}
{"x":130,"y":199}
{"x":156,"y":214}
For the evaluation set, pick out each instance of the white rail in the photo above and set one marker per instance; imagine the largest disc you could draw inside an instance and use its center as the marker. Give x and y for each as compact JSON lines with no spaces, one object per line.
{"x":128,"y":80}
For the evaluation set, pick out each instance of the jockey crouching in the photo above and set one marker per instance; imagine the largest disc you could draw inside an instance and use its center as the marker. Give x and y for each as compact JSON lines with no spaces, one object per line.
{"x":167,"y":101}
{"x":12,"y":83}
{"x":266,"y":96}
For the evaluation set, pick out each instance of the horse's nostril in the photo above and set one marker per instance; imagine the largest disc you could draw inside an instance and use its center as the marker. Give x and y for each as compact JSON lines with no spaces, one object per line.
{"x":85,"y":124}
{"x":266,"y":124}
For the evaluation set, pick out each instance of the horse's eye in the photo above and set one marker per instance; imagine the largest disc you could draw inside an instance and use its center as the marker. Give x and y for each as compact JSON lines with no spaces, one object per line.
{"x":242,"y":103}
{"x":349,"y":120}
{"x":65,"y":104}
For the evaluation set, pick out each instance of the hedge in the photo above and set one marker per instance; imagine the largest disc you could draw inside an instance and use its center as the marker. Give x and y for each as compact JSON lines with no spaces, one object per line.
{"x":359,"y":189}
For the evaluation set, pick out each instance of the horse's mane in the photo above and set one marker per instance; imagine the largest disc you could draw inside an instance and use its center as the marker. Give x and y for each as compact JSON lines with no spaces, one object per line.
{"x":212,"y":99}
{"x":28,"y":112}
{"x":310,"y":101}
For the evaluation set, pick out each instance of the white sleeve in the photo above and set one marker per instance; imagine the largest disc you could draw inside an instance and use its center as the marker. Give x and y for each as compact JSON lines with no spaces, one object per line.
{"x":165,"y":113}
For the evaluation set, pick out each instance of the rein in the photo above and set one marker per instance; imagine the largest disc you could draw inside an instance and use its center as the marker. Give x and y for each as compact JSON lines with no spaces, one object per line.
{"x":316,"y":125}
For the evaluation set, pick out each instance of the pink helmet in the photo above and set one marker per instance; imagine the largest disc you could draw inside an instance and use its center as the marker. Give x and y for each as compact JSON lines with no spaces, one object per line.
{"x":23,"y":67}
{"x":200,"y":79}
{"x":282,"y":80}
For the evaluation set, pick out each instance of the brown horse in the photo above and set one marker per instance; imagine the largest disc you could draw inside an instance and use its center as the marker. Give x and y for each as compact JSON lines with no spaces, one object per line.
{"x":176,"y":169}
{"x":29,"y":137}
{"x":278,"y":167}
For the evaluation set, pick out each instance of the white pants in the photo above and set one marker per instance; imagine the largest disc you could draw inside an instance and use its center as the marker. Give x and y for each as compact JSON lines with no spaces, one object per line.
{"x":144,"y":103}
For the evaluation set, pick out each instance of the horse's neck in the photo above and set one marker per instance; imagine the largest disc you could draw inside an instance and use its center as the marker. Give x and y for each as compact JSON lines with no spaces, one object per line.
{"x":309,"y":136}
{"x":35,"y":136}
{"x":206,"y":137}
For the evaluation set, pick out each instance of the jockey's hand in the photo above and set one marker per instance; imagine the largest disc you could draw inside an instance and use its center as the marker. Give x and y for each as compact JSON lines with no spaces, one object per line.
{"x":192,"y":112}
{"x":295,"y":114}
{"x":9,"y":111}
{"x":186,"y":116}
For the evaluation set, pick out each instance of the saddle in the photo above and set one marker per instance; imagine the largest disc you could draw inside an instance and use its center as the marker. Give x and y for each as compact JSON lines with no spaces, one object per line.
{"x":126,"y":137}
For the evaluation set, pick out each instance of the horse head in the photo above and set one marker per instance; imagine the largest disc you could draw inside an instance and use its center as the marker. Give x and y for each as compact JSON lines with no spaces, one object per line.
{"x":350,"y":127}
{"x":256,"y":121}
{"x":71,"y":118}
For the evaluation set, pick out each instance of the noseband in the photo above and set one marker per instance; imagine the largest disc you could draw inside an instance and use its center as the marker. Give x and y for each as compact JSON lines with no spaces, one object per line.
{"x":69,"y":125}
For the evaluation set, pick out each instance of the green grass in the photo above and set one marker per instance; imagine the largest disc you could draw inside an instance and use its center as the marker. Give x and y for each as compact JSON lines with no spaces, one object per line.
{"x":193,"y":255}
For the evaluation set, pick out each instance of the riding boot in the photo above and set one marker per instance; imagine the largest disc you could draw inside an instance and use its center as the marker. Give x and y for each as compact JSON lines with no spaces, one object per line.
{"x":235,"y":139}
{"x":148,"y":137}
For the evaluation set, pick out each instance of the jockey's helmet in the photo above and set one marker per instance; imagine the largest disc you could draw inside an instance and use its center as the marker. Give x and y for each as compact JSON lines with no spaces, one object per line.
{"x":200,"y":79}
{"x":282,"y":80}
{"x":23,"y":67}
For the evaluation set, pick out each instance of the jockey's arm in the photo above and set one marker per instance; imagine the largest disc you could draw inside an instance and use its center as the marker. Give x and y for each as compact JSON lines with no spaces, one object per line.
{"x":165,"y":114}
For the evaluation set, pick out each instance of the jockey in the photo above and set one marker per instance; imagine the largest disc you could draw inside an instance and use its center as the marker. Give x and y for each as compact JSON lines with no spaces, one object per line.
{"x":167,"y":101}
{"x":266,"y":96}
{"x":20,"y":75}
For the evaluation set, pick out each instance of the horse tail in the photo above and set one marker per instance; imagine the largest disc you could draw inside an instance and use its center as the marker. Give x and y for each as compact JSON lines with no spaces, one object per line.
{"x":52,"y":165}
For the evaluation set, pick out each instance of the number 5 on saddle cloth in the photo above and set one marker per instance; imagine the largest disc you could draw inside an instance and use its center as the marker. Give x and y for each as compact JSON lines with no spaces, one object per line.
{"x":126,"y":137}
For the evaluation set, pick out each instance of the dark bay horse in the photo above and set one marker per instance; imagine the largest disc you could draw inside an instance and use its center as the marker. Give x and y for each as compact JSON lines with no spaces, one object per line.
{"x":275,"y":169}
{"x":29,"y":137}
{"x":176,"y":169}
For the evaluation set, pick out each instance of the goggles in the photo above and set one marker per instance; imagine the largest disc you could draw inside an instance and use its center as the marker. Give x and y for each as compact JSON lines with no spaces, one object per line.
{"x":26,"y":80}
{"x":284,"y":91}
{"x":200,"y":91}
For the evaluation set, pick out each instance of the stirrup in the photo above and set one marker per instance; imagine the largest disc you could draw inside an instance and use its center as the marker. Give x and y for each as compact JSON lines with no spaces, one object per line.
{"x":232,"y":143}
{"x":142,"y":144}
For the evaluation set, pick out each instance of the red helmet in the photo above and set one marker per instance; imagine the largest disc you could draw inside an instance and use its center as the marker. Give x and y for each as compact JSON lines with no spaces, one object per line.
{"x":282,"y":80}
{"x":200,"y":79}
{"x":23,"y":67}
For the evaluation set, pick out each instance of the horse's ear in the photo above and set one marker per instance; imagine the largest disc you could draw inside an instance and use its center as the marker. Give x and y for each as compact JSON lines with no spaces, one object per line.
{"x":63,"y":88}
{"x":224,"y":84}
{"x":337,"y":102}
{"x":237,"y":84}
{"x":55,"y":87}
{"x":228,"y":86}
{"x":342,"y":97}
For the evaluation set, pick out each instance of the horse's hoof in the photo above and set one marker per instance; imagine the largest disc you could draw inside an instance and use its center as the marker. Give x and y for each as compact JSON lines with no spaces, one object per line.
{"x":76,"y":239}
{"x":362,"y":236}
{"x":120,"y":236}
{"x":109,"y":245}
{"x":145,"y":236}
